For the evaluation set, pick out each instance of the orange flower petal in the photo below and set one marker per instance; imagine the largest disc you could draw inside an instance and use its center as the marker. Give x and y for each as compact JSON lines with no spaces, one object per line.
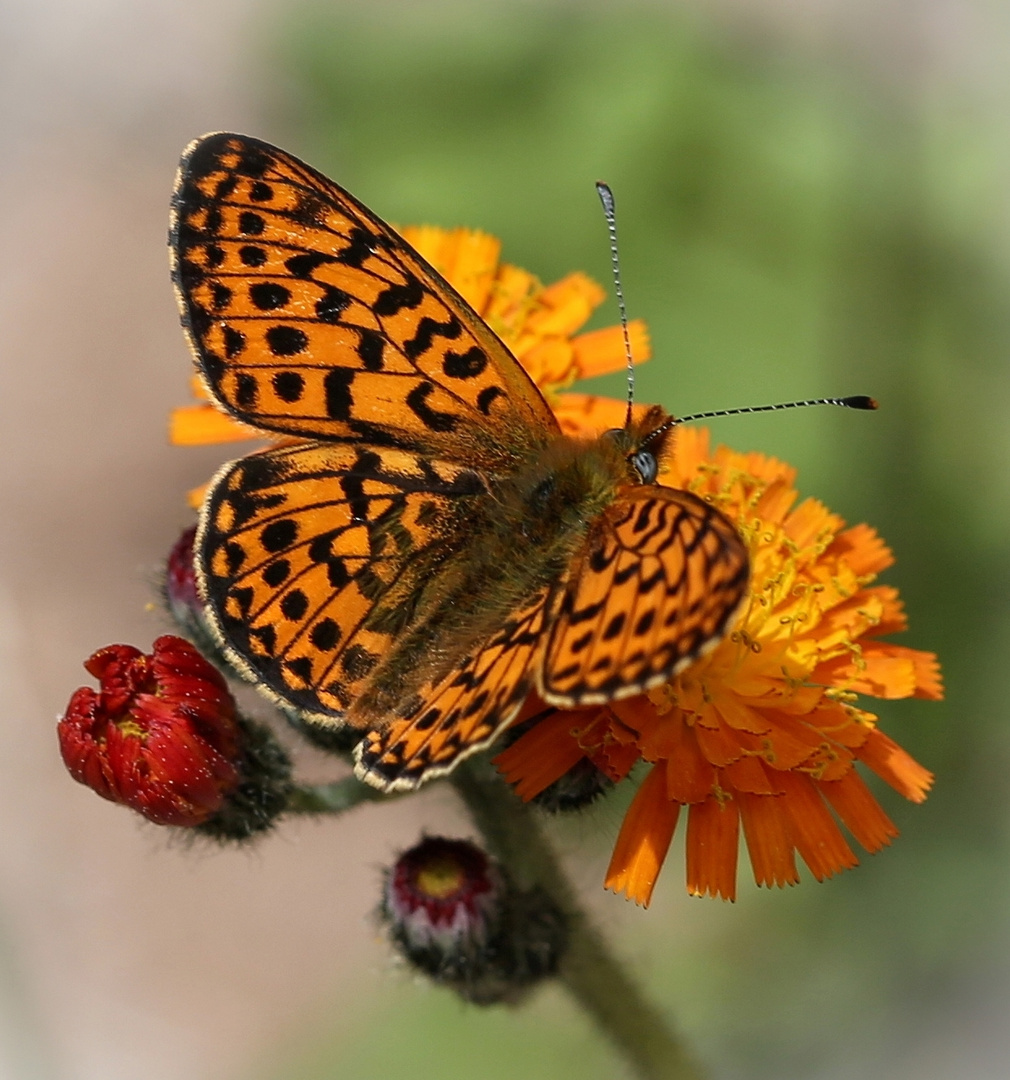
{"x":719,"y":746}
{"x":466,"y":257}
{"x":863,"y":549}
{"x":201,"y":425}
{"x":813,"y":829}
{"x":689,"y":776}
{"x":767,"y":831}
{"x":750,"y":776}
{"x":510,"y":302}
{"x":737,"y":714}
{"x":643,"y":841}
{"x":550,"y":362}
{"x":540,"y":756}
{"x":810,"y":523}
{"x":194,"y":497}
{"x":885,"y":671}
{"x":776,"y":501}
{"x":895,"y":766}
{"x":688,"y":452}
{"x":789,"y":741}
{"x":713,"y":842}
{"x":615,"y":759}
{"x":598,"y":352}
{"x":860,"y":812}
{"x":565,"y":306}
{"x":892,"y":611}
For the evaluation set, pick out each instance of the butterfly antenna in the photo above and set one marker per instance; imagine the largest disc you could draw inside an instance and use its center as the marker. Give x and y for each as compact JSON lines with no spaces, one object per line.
{"x":607,"y":198}
{"x":857,"y":401}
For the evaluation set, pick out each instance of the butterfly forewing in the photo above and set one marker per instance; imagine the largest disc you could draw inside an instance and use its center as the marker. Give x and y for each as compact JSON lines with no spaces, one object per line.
{"x":312,"y":556}
{"x":310,"y":316}
{"x":661,"y":578}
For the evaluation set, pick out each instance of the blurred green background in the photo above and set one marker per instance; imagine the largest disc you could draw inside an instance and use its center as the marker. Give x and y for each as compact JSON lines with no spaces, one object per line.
{"x":790,"y":227}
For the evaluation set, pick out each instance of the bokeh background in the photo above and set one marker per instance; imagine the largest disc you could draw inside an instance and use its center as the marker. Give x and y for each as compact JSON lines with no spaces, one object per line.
{"x":813,"y":200}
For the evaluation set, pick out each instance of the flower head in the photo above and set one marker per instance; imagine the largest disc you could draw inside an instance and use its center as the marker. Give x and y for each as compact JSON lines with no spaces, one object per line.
{"x":762,"y":733}
{"x":160,"y":735}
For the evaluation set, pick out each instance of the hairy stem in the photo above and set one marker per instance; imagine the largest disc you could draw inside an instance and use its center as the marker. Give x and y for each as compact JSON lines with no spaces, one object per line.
{"x":332,"y":798}
{"x":589,"y":970}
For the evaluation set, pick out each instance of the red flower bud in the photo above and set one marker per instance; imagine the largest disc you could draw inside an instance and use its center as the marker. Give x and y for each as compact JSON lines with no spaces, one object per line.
{"x":160,"y":735}
{"x":454,"y":915}
{"x":445,"y":896}
{"x":180,"y":579}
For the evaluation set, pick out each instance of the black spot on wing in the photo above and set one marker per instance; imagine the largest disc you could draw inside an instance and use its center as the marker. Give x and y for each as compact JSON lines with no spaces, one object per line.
{"x":392,"y":300}
{"x":487,"y":396}
{"x":288,"y":385}
{"x":225,"y":187}
{"x":234,"y":342}
{"x":248,"y":223}
{"x":427,"y":330}
{"x":357,"y":662}
{"x":337,"y":389}
{"x":361,"y":244}
{"x":332,"y":304}
{"x":466,"y":365}
{"x":325,"y":635}
{"x":254,"y":161}
{"x":277,"y":573}
{"x":246,"y":390}
{"x":234,"y":556}
{"x":269,"y":295}
{"x":279,"y":535}
{"x":417,"y":402}
{"x":301,"y":668}
{"x":371,"y":345}
{"x":284,"y":340}
{"x":305,"y":264}
{"x":294,"y":605}
{"x":250,"y":255}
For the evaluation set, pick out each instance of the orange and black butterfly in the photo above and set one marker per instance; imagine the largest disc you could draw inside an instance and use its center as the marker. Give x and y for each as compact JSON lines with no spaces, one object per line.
{"x":426,"y":547}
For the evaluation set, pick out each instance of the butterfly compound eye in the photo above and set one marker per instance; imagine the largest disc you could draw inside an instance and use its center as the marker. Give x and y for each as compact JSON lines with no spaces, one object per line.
{"x":645,"y":465}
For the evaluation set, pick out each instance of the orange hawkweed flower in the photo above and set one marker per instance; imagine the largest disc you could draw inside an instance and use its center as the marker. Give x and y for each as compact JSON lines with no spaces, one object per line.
{"x":764,"y":732}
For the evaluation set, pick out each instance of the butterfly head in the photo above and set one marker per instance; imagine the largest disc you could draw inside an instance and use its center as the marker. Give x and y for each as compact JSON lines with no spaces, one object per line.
{"x":642,"y":442}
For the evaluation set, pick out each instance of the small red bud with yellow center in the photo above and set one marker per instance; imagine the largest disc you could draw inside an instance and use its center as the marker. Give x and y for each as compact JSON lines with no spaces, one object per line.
{"x":454,"y":915}
{"x":443,"y":896}
{"x":160,"y":735}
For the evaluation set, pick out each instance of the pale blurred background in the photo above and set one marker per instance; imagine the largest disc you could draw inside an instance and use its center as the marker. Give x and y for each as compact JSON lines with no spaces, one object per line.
{"x":814,"y":199}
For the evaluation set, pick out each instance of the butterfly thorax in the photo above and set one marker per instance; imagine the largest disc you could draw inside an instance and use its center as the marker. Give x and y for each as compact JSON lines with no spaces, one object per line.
{"x":520,"y":542}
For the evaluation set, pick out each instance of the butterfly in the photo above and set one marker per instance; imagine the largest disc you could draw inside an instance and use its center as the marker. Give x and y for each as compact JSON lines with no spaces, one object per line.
{"x":423,"y":547}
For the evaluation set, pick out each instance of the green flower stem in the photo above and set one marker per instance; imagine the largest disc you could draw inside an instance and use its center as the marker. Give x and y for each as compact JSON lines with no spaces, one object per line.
{"x":589,"y":970}
{"x":332,"y":798}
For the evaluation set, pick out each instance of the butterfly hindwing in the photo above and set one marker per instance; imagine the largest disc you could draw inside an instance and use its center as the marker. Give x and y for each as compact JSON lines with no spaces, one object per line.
{"x":660,"y":580}
{"x":463,"y":711}
{"x":312,"y":556}
{"x":309,"y":316}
